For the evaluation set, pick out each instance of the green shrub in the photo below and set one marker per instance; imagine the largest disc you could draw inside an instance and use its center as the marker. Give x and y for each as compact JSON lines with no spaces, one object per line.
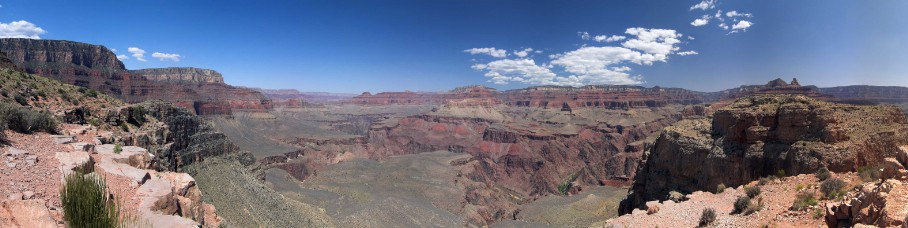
{"x":870,"y":173}
{"x":720,"y":188}
{"x":766,"y":180}
{"x":823,"y":174}
{"x":25,"y":120}
{"x":21,"y":100}
{"x":86,"y":203}
{"x":119,"y":148}
{"x":780,"y":173}
{"x":92,"y":93}
{"x":752,"y":191}
{"x":803,"y":200}
{"x":832,"y":188}
{"x":708,"y":217}
{"x":741,"y":204}
{"x":137,"y":115}
{"x":818,"y":213}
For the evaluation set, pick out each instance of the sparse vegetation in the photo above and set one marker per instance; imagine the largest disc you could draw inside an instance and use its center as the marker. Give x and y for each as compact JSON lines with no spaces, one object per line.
{"x":741,"y":204}
{"x":21,"y":100}
{"x":766,"y":180}
{"x":720,"y":188}
{"x":799,"y":187}
{"x":117,"y":148}
{"x":563,"y":187}
{"x":870,"y":173}
{"x":832,"y":188}
{"x":780,"y":173}
{"x":86,"y":202}
{"x":137,"y":115}
{"x":803,"y":200}
{"x":708,"y":217}
{"x":25,"y":120}
{"x":818,"y":213}
{"x":752,"y":191}
{"x":823,"y":174}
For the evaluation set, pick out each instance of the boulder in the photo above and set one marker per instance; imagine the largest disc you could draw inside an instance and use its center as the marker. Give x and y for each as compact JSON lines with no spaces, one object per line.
{"x":26,"y":213}
{"x":63,"y":139}
{"x":83,"y":146}
{"x":892,"y":168}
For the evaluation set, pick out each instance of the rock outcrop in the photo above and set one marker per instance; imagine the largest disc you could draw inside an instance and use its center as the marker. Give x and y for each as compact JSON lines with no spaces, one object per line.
{"x":764,"y":135}
{"x":181,"y":75}
{"x":878,"y":204}
{"x":96,"y":67}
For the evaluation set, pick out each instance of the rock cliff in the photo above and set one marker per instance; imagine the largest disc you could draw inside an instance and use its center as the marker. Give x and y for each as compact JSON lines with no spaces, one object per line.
{"x":96,"y":67}
{"x":764,"y":135}
{"x":181,"y":75}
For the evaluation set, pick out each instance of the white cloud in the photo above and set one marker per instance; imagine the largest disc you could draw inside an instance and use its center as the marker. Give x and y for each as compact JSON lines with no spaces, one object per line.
{"x":701,"y":21}
{"x":20,"y":29}
{"x":741,"y":26}
{"x":589,"y":64}
{"x":604,"y":38}
{"x":113,"y":50}
{"x":122,"y":57}
{"x":723,"y":26}
{"x":686,"y":53}
{"x":137,"y":53}
{"x":704,"y":5}
{"x":733,"y":13}
{"x":719,"y":15}
{"x":584,"y":35}
{"x":523,"y":53}
{"x":691,"y":38}
{"x":166,"y":56}
{"x":494,"y":52}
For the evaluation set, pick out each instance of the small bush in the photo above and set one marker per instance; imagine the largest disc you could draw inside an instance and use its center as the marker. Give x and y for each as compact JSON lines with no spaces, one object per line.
{"x":119,"y":148}
{"x":21,"y":100}
{"x":766,"y":180}
{"x":752,"y":207}
{"x":823,"y":174}
{"x":818,"y":213}
{"x":803,"y":200}
{"x":675,"y":196}
{"x":86,"y":202}
{"x":870,"y":173}
{"x":741,"y":204}
{"x":780,"y":173}
{"x":799,"y":187}
{"x":92,"y":93}
{"x":752,"y":191}
{"x":832,"y":188}
{"x":720,"y":188}
{"x":708,"y":217}
{"x":24,"y":120}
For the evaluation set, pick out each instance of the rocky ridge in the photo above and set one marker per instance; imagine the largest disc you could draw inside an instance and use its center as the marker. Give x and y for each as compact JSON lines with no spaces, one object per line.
{"x":181,"y":75}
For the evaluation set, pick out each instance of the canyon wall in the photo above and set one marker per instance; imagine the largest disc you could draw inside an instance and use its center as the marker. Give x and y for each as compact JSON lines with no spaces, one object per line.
{"x":764,"y":135}
{"x":96,"y":67}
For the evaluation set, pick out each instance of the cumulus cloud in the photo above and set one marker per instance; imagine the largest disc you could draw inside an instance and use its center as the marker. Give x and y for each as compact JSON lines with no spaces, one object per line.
{"x":137,"y":53}
{"x":491,"y":51}
{"x":523,"y":53}
{"x":704,"y":5}
{"x":686,"y":53}
{"x":701,"y":21}
{"x":589,"y":64}
{"x":20,"y":29}
{"x":584,"y":35}
{"x":723,"y":26}
{"x":740,"y":26}
{"x":166,"y":56}
{"x":122,"y":57}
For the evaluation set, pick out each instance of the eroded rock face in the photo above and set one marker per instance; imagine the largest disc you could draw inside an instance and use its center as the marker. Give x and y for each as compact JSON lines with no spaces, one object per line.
{"x":878,"y":204}
{"x":96,"y":67}
{"x":760,"y":135}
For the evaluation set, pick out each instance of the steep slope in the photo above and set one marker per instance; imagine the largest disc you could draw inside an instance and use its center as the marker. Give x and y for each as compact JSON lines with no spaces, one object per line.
{"x":766,"y":135}
{"x":96,"y":67}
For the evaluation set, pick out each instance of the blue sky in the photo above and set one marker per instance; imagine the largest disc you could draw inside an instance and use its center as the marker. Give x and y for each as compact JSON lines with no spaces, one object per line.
{"x":356,"y":46}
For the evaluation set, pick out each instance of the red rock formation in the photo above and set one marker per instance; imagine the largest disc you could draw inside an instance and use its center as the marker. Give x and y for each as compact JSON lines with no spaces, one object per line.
{"x":96,"y":67}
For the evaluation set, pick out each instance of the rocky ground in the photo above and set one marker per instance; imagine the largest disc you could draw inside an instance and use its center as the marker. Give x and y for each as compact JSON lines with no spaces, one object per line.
{"x":34,"y":167}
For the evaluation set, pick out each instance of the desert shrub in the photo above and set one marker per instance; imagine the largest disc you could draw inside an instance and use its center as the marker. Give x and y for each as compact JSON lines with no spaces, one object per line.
{"x":137,"y":115}
{"x":119,"y":148}
{"x":780,"y":173}
{"x":869,"y":173}
{"x":92,"y":93}
{"x":80,"y":89}
{"x":803,"y":200}
{"x":86,"y":202}
{"x":799,"y":186}
{"x":741,"y":204}
{"x":20,"y":99}
{"x":752,"y":191}
{"x":675,"y":196}
{"x":766,"y":180}
{"x":832,"y":188}
{"x":87,"y":167}
{"x":823,"y":173}
{"x":818,"y":213}
{"x":720,"y":188}
{"x":25,"y":120}
{"x":708,"y":217}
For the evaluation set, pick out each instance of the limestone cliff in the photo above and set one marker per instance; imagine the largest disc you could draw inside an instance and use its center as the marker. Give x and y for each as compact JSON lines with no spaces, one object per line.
{"x":760,"y":135}
{"x":181,"y":75}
